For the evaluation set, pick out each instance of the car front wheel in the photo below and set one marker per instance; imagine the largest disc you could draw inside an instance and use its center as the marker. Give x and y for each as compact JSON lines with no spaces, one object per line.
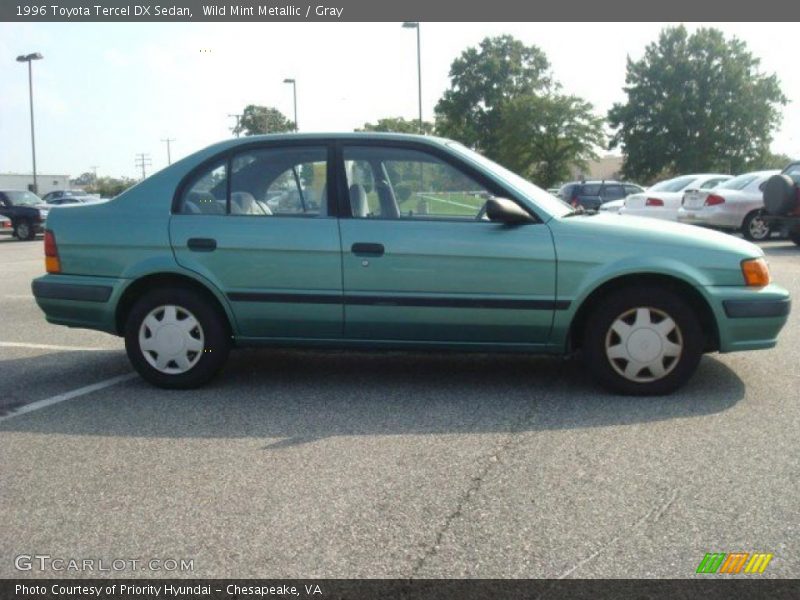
{"x":176,"y":339}
{"x":643,"y":342}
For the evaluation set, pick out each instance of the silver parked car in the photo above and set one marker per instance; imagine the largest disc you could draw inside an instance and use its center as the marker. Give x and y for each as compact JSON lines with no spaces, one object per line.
{"x":734,"y":205}
{"x":663,"y":199}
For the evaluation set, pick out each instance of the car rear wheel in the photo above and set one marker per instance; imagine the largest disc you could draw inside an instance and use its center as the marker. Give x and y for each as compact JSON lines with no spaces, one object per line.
{"x":176,"y":339}
{"x":643,"y":342}
{"x":754,"y":228}
{"x":795,"y":236}
{"x":24,"y":230}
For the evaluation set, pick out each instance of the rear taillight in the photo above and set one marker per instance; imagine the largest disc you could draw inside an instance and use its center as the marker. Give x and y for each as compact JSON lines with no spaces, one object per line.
{"x":574,"y":202}
{"x":714,"y":200}
{"x":51,"y":261}
{"x":654,"y":202}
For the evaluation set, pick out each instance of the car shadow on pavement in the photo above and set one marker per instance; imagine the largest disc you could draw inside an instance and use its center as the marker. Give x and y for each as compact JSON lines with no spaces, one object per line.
{"x":295,"y":397}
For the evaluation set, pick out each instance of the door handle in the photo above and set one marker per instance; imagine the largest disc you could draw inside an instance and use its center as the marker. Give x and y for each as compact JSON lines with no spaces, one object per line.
{"x":365,"y":249}
{"x":202,"y":244}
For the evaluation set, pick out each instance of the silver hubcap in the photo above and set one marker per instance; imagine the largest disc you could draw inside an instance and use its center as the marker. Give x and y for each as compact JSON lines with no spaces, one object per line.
{"x":758,"y":228}
{"x":171,"y":339}
{"x":22,"y":230}
{"x":644,"y":344}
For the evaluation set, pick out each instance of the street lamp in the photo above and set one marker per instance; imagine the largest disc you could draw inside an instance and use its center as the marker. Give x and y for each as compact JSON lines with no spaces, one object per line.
{"x":415,"y":25}
{"x":29,"y":58}
{"x":294,"y":91}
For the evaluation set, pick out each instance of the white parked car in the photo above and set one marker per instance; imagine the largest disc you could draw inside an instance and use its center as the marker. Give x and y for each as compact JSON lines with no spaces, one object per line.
{"x":612,"y":207}
{"x":735,"y":205}
{"x":663,"y":200}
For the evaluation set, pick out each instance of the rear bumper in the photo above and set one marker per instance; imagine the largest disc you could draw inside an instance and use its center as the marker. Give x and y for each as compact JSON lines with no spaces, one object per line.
{"x":708,"y":217}
{"x":749,"y":319}
{"x":79,"y":301}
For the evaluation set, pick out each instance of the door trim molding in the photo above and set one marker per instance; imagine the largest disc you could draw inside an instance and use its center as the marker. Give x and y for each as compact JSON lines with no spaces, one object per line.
{"x":401,"y":301}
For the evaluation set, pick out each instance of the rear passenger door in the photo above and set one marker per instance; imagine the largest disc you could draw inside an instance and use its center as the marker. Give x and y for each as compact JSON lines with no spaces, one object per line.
{"x":257,"y":223}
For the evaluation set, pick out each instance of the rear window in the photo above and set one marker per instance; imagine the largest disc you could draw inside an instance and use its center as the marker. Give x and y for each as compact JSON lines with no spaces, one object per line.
{"x":23,"y":198}
{"x":737,"y":183}
{"x":673,"y":185}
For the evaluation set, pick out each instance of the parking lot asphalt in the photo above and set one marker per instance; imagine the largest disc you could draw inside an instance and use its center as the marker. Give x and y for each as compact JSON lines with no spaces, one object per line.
{"x":344,"y":464}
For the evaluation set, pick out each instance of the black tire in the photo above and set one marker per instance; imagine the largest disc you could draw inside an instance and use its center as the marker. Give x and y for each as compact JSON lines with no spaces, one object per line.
{"x":749,"y":224}
{"x":656,"y":299}
{"x":779,"y":195}
{"x":24,"y":230}
{"x":215,"y":335}
{"x":795,"y":236}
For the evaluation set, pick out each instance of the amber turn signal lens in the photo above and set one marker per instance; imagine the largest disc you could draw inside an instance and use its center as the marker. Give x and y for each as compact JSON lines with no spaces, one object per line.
{"x":52,"y":264}
{"x":756,"y":272}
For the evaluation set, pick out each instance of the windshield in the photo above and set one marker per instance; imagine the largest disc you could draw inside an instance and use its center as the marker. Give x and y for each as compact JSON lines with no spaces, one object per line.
{"x":537,"y":195}
{"x":24,"y":198}
{"x":737,"y":183}
{"x":673,"y":185}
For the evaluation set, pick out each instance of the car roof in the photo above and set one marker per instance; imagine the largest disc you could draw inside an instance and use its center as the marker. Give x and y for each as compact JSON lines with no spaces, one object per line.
{"x":596,"y":181}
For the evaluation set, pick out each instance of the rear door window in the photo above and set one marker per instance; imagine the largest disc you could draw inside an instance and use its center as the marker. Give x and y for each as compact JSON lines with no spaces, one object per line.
{"x":207,"y":192}
{"x":612,"y":192}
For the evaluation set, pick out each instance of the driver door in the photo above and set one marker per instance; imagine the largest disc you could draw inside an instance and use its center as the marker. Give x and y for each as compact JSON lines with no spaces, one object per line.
{"x":421,"y":264}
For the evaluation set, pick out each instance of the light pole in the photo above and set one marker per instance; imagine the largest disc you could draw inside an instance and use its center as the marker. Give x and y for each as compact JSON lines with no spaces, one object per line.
{"x":415,"y":25}
{"x":29,"y":58}
{"x":169,"y":154}
{"x":294,"y":91}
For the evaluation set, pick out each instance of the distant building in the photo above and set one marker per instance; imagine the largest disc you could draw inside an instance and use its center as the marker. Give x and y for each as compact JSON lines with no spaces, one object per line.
{"x":605,"y":167}
{"x":24,"y":181}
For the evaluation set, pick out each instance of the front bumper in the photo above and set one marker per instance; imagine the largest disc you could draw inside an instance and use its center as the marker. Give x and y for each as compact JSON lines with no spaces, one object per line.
{"x":79,"y":301}
{"x":749,"y":318}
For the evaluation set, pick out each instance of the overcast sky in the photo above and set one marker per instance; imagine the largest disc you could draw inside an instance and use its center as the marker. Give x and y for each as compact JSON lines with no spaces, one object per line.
{"x":105,"y":92}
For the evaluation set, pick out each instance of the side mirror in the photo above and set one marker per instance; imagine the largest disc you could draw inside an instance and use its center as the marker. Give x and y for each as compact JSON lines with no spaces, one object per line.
{"x":503,"y":210}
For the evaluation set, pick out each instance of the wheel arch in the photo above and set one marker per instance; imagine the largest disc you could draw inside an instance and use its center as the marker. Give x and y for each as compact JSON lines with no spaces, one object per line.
{"x":680,"y":286}
{"x":142,"y":284}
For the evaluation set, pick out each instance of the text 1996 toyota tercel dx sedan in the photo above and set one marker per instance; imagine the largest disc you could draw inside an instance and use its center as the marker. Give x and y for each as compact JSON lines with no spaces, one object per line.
{"x":392,"y":241}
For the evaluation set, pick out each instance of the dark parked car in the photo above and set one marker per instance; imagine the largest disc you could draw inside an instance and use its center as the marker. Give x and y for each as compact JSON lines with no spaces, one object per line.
{"x":58,"y":197}
{"x":782,"y":202}
{"x":592,"y":194}
{"x":26,"y":211}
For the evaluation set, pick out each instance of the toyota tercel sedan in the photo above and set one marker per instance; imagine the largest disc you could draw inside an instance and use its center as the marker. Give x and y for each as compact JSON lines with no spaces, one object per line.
{"x":394,"y":241}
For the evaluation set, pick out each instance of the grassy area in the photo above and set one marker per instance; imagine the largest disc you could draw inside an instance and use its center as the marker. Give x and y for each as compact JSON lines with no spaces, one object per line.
{"x":449,"y":203}
{"x":460,"y":204}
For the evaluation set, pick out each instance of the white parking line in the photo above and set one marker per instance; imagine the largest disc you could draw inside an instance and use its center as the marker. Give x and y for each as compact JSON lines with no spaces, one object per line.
{"x":51,"y":347}
{"x":88,"y":389}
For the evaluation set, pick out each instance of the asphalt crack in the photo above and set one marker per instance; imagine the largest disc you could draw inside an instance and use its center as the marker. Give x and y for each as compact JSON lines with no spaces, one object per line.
{"x":512,"y":440}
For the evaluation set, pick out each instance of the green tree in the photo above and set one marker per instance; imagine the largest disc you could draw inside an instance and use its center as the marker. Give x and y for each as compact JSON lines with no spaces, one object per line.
{"x":481,"y":80}
{"x":83,"y":179}
{"x":398,"y":125}
{"x":695,"y":103}
{"x":544,"y":136}
{"x":770,"y":161}
{"x":258,"y":120}
{"x":108,"y":187}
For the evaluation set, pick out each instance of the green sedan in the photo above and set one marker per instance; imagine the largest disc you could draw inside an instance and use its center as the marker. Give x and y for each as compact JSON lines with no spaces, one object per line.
{"x":394,"y":241}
